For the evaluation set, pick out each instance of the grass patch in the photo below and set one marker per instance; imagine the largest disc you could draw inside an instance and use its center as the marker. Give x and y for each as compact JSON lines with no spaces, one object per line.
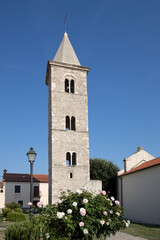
{"x":150,"y":232}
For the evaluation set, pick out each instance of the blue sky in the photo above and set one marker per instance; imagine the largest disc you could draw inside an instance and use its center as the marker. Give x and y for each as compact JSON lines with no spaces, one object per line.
{"x":119,"y":40}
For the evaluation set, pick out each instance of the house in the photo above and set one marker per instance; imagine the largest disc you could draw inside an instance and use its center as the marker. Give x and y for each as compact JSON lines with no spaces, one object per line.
{"x":138,"y":188}
{"x":1,"y":195}
{"x":16,"y":188}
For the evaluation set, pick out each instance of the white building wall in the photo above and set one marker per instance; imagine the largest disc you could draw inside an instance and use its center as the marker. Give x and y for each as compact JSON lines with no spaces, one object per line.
{"x":93,"y":186}
{"x":2,"y":200}
{"x":141,"y":195}
{"x":24,"y":195}
{"x":43,"y":189}
{"x":137,"y":159}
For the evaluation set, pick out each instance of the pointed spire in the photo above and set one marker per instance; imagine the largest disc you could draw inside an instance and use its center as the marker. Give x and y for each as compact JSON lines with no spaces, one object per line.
{"x":66,"y":53}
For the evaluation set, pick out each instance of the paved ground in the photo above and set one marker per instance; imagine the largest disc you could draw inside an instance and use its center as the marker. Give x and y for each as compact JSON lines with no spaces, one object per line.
{"x":124,"y":236}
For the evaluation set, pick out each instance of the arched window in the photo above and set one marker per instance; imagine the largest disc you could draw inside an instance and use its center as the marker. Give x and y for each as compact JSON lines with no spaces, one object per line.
{"x":68,"y":158}
{"x":67,"y":123}
{"x":66,"y":85}
{"x":74,"y":162}
{"x":72,"y":86}
{"x":73,"y":123}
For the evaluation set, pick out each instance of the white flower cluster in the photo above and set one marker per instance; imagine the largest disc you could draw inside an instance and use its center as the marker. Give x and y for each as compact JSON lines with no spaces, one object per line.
{"x":112,"y":198}
{"x":102,"y":222}
{"x":85,"y":200}
{"x":82,"y":211}
{"x":60,"y":214}
{"x":127,"y":223}
{"x":47,"y":235}
{"x":40,"y":204}
{"x":69,"y":211}
{"x":85,"y":231}
{"x":74,"y":204}
{"x":78,"y":191}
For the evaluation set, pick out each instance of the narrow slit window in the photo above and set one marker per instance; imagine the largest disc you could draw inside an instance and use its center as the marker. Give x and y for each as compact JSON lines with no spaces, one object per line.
{"x":73,"y":123}
{"x":74,"y":162}
{"x":67,"y":123}
{"x":71,"y":175}
{"x":68,"y":158}
{"x":72,"y":86}
{"x":66,"y":85}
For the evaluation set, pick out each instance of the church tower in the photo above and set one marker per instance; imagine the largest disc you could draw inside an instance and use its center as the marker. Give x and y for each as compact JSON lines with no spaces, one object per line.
{"x":68,"y":139}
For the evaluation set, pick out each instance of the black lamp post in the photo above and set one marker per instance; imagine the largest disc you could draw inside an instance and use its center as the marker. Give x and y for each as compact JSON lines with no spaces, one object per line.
{"x":31,"y":158}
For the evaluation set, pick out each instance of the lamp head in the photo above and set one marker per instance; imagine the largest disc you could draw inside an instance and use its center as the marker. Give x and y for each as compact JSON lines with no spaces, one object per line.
{"x":31,"y":155}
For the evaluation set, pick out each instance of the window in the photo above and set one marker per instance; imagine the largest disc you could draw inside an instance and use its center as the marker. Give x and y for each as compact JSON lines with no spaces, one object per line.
{"x":17,"y":189}
{"x":69,"y":86}
{"x":20,"y":202}
{"x":67,"y":123}
{"x":71,"y":161}
{"x":74,"y":158}
{"x":68,"y":158}
{"x":66,"y":85}
{"x":73,"y":123}
{"x":36,"y":191}
{"x":71,"y":175}
{"x":72,"y":86}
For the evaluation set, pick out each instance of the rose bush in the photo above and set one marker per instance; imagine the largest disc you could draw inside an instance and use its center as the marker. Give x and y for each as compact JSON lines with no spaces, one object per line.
{"x":81,"y":215}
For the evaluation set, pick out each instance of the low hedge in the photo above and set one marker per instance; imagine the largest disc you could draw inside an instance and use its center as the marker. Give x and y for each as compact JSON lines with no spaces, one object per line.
{"x":5,"y":211}
{"x":22,"y":231}
{"x":15,"y":216}
{"x":18,"y":210}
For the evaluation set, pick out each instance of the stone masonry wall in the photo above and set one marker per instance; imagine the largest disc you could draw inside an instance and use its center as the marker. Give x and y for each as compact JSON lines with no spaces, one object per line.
{"x":61,"y":140}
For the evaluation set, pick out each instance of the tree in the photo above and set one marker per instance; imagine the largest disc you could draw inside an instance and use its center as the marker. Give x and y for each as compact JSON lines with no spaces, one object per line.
{"x":106,"y":171}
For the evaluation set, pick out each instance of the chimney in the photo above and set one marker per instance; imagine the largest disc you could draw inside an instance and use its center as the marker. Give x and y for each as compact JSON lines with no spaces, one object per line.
{"x":125,"y":170}
{"x":4,"y":171}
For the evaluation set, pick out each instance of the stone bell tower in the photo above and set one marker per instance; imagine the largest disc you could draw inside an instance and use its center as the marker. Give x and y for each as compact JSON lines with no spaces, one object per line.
{"x":68,"y":122}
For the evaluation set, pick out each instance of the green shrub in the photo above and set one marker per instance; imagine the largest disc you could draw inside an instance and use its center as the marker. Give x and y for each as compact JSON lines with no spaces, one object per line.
{"x":16,"y":216}
{"x":18,"y":210}
{"x":22,"y":231}
{"x":1,"y":218}
{"x":5,"y":211}
{"x":12,"y":205}
{"x":81,"y":215}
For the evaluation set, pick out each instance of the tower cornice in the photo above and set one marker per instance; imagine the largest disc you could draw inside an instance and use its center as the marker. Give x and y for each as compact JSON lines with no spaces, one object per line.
{"x":65,"y":65}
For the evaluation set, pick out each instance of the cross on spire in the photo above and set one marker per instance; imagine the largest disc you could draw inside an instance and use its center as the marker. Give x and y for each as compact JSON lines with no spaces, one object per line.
{"x":65,"y":19}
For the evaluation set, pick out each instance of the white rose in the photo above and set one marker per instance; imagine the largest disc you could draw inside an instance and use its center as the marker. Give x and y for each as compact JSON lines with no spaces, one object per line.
{"x":102,"y":222}
{"x":81,"y":224}
{"x":74,"y":204}
{"x":78,"y":191}
{"x":69,"y":211}
{"x":60,"y":214}
{"x":85,"y":231}
{"x":85,"y":200}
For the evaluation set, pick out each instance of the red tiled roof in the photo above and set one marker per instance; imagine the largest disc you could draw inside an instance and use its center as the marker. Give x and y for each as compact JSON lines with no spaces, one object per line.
{"x":143,"y":166}
{"x":17,"y":177}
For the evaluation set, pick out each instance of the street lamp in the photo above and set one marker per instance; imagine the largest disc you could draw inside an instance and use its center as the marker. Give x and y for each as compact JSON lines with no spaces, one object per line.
{"x":31,"y":158}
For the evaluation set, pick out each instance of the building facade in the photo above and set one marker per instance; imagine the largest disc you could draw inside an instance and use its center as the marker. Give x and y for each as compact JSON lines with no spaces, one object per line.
{"x":68,"y":139}
{"x":138,"y":188}
{"x":16,"y":188}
